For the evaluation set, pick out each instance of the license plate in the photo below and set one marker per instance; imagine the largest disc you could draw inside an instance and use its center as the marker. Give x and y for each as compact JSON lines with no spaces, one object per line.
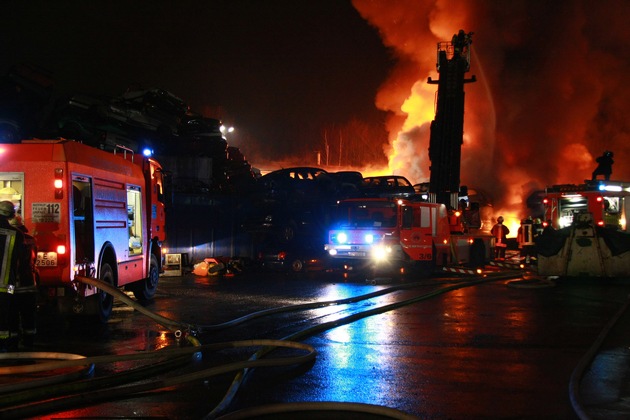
{"x":46,"y":259}
{"x":356,"y":254}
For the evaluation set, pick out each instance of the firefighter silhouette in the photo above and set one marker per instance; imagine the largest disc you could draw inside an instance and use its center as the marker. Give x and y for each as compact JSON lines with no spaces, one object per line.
{"x":25,"y":311}
{"x":500,"y":232}
{"x":460,"y":41}
{"x":526,"y":236}
{"x":12,"y":263}
{"x":604,"y":166}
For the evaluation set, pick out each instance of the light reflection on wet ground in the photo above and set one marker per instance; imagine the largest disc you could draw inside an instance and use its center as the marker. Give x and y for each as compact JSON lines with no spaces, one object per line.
{"x":486,"y":351}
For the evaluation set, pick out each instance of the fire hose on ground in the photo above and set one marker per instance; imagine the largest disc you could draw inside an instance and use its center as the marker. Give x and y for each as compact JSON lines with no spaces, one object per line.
{"x":587,"y":359}
{"x":240,"y":377}
{"x":87,"y":392}
{"x":174,"y":326}
{"x":83,"y":392}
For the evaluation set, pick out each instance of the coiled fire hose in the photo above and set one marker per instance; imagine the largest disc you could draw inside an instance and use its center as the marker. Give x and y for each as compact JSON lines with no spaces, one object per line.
{"x":178,"y":328}
{"x":22,"y":405}
{"x":242,"y":367}
{"x":84,"y":389}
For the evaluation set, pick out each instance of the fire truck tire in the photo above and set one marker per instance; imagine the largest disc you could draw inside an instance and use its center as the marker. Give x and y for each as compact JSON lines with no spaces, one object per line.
{"x":105,"y":302}
{"x":297,"y":266}
{"x":145,"y":289}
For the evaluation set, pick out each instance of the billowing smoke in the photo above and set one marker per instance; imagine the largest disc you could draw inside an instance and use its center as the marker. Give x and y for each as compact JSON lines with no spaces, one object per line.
{"x":551,"y":94}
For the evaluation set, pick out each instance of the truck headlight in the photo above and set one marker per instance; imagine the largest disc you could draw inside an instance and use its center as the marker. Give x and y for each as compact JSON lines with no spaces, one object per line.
{"x":381,"y":252}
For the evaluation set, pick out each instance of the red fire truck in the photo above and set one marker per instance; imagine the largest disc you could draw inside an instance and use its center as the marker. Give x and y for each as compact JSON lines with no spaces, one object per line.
{"x":607,"y":201}
{"x":93,"y":213}
{"x":590,"y":236}
{"x":402,"y":233}
{"x":434,"y":233}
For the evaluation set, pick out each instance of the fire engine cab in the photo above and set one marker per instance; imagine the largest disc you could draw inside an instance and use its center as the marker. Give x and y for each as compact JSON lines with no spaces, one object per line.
{"x":401,"y":233}
{"x":607,"y":201}
{"x":93,"y":213}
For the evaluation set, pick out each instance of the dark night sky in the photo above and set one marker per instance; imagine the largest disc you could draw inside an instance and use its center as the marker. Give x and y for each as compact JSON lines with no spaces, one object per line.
{"x":278,"y":70}
{"x":550,"y":96}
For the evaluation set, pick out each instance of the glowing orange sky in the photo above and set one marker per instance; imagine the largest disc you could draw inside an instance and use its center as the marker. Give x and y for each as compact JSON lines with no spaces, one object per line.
{"x":551,"y":93}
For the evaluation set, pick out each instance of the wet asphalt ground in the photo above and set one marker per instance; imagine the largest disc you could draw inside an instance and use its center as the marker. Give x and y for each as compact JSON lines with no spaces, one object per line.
{"x":497,"y":349}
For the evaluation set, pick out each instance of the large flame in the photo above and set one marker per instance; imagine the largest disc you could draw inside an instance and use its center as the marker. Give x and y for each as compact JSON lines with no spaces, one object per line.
{"x":550,"y":97}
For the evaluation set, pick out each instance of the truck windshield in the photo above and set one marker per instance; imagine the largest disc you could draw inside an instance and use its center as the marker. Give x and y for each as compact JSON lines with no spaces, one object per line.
{"x":12,"y":189}
{"x":366,"y":214}
{"x":609,"y":209}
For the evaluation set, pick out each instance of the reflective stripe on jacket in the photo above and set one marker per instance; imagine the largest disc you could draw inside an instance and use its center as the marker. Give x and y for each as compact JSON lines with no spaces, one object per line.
{"x":7,"y":243}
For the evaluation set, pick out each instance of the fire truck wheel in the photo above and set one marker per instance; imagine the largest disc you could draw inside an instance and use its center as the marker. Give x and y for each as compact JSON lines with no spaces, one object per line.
{"x":145,"y":289}
{"x":297,"y":266}
{"x":105,"y":301}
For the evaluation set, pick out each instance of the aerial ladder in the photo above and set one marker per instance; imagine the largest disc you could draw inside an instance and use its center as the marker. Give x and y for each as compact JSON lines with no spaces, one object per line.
{"x":445,"y":150}
{"x":421,"y":233}
{"x":447,"y":129}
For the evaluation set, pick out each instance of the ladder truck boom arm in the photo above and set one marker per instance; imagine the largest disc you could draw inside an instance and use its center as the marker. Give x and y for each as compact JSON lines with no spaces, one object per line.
{"x":447,"y":129}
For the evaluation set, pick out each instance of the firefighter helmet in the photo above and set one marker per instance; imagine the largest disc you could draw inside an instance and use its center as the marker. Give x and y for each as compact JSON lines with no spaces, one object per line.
{"x":7,"y":209}
{"x":500,"y":219}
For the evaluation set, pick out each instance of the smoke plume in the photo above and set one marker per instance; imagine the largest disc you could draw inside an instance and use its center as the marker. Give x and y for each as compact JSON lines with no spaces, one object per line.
{"x":550,"y":96}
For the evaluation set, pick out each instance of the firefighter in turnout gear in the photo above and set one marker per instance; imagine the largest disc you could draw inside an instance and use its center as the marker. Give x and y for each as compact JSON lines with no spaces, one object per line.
{"x":24,"y":315}
{"x":604,"y":165}
{"x":11,"y":264}
{"x":538,"y":228}
{"x":526,"y":236}
{"x":500,"y":232}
